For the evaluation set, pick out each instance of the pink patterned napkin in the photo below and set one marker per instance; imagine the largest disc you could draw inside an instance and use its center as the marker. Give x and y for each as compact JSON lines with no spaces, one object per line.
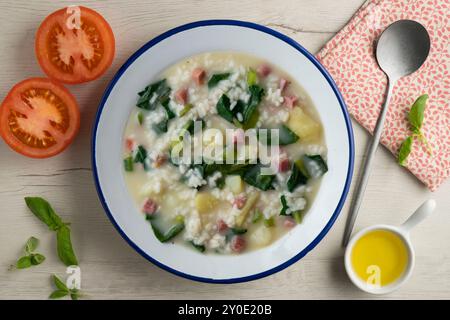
{"x":350,"y":60}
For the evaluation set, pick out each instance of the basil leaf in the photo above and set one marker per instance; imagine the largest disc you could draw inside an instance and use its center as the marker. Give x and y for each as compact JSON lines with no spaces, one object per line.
{"x":37,"y":259}
{"x":74,"y":295}
{"x":223,"y":108}
{"x":416,"y":114}
{"x":253,"y":177}
{"x":44,"y":212}
{"x":59,"y":284}
{"x":296,"y":178}
{"x":405,"y":150}
{"x":256,"y":95}
{"x":31,"y":245}
{"x":58,"y":294}
{"x":64,"y":247}
{"x":153,"y":95}
{"x":24,"y":262}
{"x":216,"y":78}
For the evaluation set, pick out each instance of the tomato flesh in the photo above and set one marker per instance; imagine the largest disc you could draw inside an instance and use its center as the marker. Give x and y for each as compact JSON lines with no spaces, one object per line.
{"x":75,"y":55}
{"x":39,"y":118}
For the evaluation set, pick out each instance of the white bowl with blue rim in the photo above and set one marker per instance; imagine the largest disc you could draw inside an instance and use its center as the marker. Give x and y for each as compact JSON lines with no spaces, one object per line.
{"x":141,"y":69}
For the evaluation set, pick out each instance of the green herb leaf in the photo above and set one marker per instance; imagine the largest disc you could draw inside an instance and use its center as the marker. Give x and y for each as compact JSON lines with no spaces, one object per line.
{"x":198,"y":247}
{"x":153,"y":95}
{"x":297,"y":178}
{"x":405,"y":150}
{"x":416,"y":114}
{"x":140,"y":118}
{"x":36,"y":259}
{"x":31,"y":245}
{"x":59,"y":284}
{"x":287,"y":136}
{"x":141,"y":156}
{"x":284,"y":206}
{"x":161,"y":127}
{"x":58,"y":294}
{"x":216,"y":78}
{"x":64,"y":247}
{"x":268,"y":223}
{"x":168,"y":235}
{"x":44,"y":212}
{"x":128,"y":163}
{"x":252,"y":77}
{"x":74,"y":295}
{"x":256,"y":95}
{"x":24,"y":262}
{"x":254,"y":177}
{"x":238,"y":230}
{"x":314,"y":165}
{"x":223,"y":108}
{"x":257,"y":216}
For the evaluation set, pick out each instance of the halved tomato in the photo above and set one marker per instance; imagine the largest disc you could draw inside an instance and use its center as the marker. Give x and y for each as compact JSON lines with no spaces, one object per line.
{"x":75,"y":45}
{"x":39,"y":118}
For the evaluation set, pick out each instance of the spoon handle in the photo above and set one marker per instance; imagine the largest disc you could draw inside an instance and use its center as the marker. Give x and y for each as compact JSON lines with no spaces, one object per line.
{"x":362,"y":183}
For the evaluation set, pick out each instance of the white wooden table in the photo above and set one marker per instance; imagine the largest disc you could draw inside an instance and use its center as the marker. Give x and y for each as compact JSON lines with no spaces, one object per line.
{"x":110,"y":268}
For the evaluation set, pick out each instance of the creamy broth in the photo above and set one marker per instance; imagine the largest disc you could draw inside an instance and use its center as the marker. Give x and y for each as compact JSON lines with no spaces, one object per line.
{"x":211,"y":209}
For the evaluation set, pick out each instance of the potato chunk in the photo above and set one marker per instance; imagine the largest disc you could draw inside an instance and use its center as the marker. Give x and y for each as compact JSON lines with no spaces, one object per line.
{"x":303,"y":125}
{"x":261,"y":236}
{"x":205,"y":202}
{"x":235,"y":184}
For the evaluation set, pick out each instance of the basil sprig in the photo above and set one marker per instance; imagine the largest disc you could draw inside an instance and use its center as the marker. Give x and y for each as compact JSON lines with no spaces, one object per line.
{"x":44,"y":212}
{"x":416,"y":118}
{"x":30,"y":258}
{"x":62,"y":290}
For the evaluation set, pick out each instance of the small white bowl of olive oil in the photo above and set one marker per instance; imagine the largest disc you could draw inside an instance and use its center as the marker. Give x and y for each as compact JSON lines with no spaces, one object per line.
{"x":380,"y":258}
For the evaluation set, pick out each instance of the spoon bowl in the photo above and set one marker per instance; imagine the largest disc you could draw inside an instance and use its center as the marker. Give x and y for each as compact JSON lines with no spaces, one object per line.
{"x":402,"y":48}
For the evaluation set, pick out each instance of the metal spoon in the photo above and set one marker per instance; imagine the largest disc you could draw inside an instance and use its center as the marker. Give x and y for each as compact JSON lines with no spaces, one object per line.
{"x":401,"y":49}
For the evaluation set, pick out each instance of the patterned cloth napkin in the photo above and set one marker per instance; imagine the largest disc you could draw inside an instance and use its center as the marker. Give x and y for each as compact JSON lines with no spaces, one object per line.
{"x":350,"y":60}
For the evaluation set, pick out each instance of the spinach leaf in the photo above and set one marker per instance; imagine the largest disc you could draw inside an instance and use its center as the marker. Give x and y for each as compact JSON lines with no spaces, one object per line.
{"x":64,"y":247}
{"x":216,"y":78}
{"x":169,"y":234}
{"x":223,"y":108}
{"x":238,"y":230}
{"x":284,"y":206}
{"x":287,"y":136}
{"x":254,"y":177}
{"x":198,"y":247}
{"x":256,"y":95}
{"x":161,"y":127}
{"x":314,"y":165}
{"x":405,"y":150}
{"x":44,"y":212}
{"x":416,"y":114}
{"x":297,"y":178}
{"x":141,"y":156}
{"x":153,"y":95}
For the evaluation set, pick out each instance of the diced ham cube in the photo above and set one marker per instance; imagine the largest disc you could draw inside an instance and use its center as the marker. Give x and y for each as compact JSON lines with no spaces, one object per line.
{"x":238,"y":136}
{"x":149,"y":207}
{"x":130,"y":144}
{"x":283,"y":165}
{"x":237,"y":243}
{"x":263,"y":70}
{"x":290,"y":101}
{"x":283,"y":84}
{"x":182,"y":96}
{"x":222,"y":227}
{"x":198,"y":75}
{"x":239,"y":201}
{"x":160,"y":160}
{"x":289,"y":223}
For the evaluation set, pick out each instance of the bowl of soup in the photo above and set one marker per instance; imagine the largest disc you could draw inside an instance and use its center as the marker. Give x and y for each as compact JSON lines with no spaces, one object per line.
{"x":222,"y":151}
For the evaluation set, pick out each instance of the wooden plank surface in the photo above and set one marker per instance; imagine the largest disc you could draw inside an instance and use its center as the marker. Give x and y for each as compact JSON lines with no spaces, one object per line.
{"x":110,"y":268}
